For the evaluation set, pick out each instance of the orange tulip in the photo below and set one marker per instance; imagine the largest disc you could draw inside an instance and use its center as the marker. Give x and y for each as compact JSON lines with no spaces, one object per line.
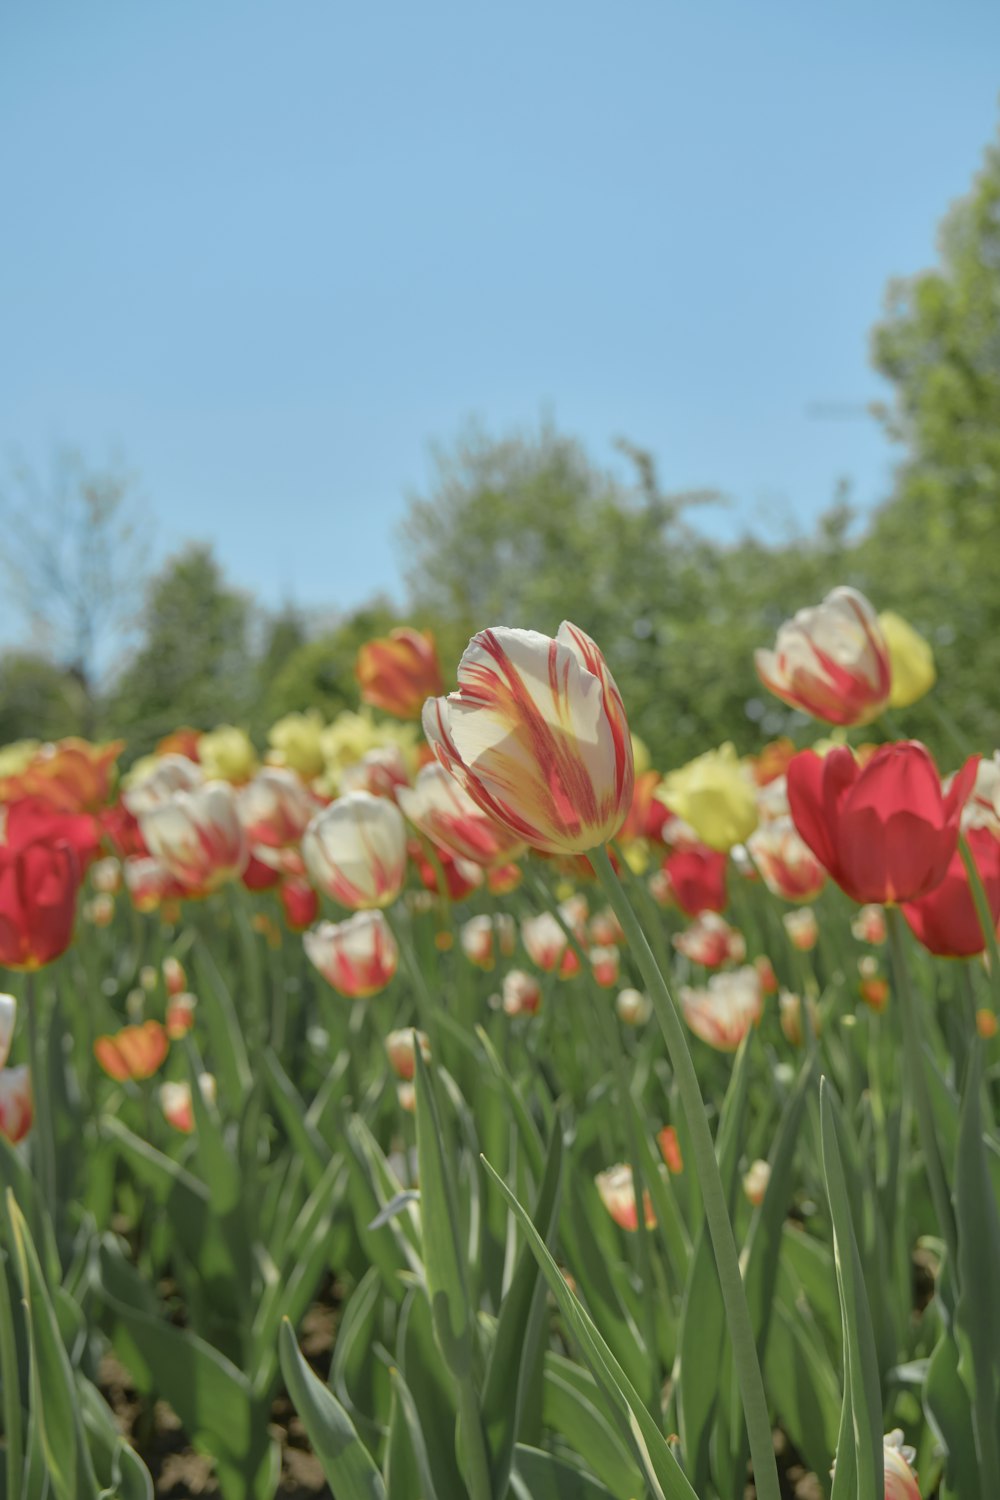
{"x":134,"y":1052}
{"x":537,"y":735}
{"x":399,"y":671}
{"x":72,"y":775}
{"x":670,"y":1149}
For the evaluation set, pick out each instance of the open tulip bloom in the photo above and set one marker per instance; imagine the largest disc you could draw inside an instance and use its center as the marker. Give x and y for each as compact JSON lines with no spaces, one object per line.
{"x":831,"y":661}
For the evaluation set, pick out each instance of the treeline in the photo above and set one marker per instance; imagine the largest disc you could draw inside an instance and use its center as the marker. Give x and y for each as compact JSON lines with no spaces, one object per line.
{"x":528,"y":530}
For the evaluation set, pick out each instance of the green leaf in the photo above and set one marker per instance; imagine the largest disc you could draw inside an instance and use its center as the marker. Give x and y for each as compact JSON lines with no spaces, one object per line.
{"x":439,"y":1225}
{"x":663,"y":1474}
{"x":407,"y":1468}
{"x":949,"y":1412}
{"x":860,"y":1464}
{"x":542,"y":1476}
{"x":571,"y":1406}
{"x":292,"y":1113}
{"x":345,"y":1460}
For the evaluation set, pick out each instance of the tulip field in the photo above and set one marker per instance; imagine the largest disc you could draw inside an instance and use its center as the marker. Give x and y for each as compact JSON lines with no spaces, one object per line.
{"x":445,"y":1102}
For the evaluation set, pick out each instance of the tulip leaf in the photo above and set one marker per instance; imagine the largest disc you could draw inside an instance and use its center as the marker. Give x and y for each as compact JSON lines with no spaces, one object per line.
{"x":344,"y":1459}
{"x":946,"y":1401}
{"x":859,"y":1470}
{"x":444,"y":1260}
{"x":292,"y":1113}
{"x":543,"y":1476}
{"x":662,"y":1472}
{"x":571,"y":1406}
{"x":407,"y":1468}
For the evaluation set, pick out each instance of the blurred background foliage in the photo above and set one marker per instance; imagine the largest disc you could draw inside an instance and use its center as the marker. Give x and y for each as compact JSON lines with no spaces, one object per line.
{"x":525,"y":529}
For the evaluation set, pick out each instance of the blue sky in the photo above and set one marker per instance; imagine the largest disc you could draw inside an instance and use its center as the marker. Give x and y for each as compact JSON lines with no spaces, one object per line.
{"x":272,"y":251}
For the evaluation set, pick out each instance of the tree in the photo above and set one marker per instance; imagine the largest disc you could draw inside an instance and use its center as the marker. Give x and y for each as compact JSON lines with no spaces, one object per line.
{"x":75,"y":563}
{"x":194,"y":664}
{"x":38,"y":700}
{"x":933,"y":551}
{"x":320,"y":673}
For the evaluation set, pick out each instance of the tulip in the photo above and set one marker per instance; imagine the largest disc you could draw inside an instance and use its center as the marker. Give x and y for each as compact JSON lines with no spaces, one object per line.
{"x":100,"y":910}
{"x":987,"y":1024}
{"x":275,"y":809}
{"x":16,"y":1106}
{"x":755,"y":1181}
{"x":604,"y":961}
{"x":605,"y":930}
{"x":900,"y":1479}
{"x":398,"y":672}
{"x":355,"y":851}
{"x":401,"y":1048}
{"x":770,"y":764}
{"x":869,"y":925}
{"x":382,"y":771}
{"x":547,"y":945}
{"x":180,"y":1015}
{"x":177,"y":1104}
{"x":983,"y":807}
{"x":197,"y":836}
{"x":406,"y":1095}
{"x":714,"y":793}
{"x":358,"y":957}
{"x":135,"y":1052}
{"x":802,"y":928}
{"x":503,"y":879}
{"x":765,"y":973}
{"x":17,"y":757}
{"x":873,"y":987}
{"x":790,"y":1016}
{"x":261,"y":875}
{"x":694,"y":879}
{"x":633,"y":1007}
{"x":537,"y":735}
{"x":174,"y":977}
{"x":617,"y":1192}
{"x":946,"y":921}
{"x":482,"y":937}
{"x":33,"y":821}
{"x":227,"y":754}
{"x":296,"y":743}
{"x":885,"y":832}
{"x":647,"y":814}
{"x":71,"y":776}
{"x":831,"y":661}
{"x":183,"y":741}
{"x":448,"y":816}
{"x":521,"y":994}
{"x":39,"y":880}
{"x":911,"y":660}
{"x":149,"y":882}
{"x":711,"y":942}
{"x":723,"y":1012}
{"x":157,"y":780}
{"x":8,"y":1016}
{"x":788,"y":866}
{"x":444,"y":875}
{"x":106,"y":875}
{"x":670,"y":1149}
{"x":299,"y":902}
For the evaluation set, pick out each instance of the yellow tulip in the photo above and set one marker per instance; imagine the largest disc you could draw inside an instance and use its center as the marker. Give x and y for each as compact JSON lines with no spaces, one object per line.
{"x":297,"y":742}
{"x":227,"y":754}
{"x":715,"y":795}
{"x":911,"y":659}
{"x":17,"y":757}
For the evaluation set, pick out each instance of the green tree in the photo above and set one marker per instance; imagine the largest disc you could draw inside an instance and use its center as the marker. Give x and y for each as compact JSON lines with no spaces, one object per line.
{"x":194,"y":664}
{"x":320,"y":673}
{"x":38,"y":699}
{"x":933,"y":550}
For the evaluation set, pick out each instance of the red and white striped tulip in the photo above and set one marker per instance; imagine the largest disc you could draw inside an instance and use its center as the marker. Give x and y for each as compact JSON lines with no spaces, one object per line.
{"x":165,"y":776}
{"x":831,"y":661}
{"x":8,"y":1019}
{"x":711,"y":941}
{"x":521,"y":994}
{"x":547,"y":945}
{"x":355,"y":851}
{"x":617,"y":1191}
{"x":177,"y":1104}
{"x":16,"y":1104}
{"x":358,"y":957}
{"x":787,"y":865}
{"x":723,"y":1012}
{"x":275,"y":809}
{"x":197,"y":836}
{"x":802,"y":928}
{"x":448,"y":816}
{"x":401,"y":1049}
{"x":538,"y":737}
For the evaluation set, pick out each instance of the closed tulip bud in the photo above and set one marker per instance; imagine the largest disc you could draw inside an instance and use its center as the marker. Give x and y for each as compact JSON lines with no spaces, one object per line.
{"x":40,"y":873}
{"x":397,"y":672}
{"x":521,"y":994}
{"x":790,"y":1016}
{"x":275,"y":808}
{"x":355,"y":851}
{"x":606,"y":966}
{"x":670,"y":1149}
{"x":983,"y":807}
{"x":149,"y":882}
{"x":547,"y":946}
{"x":873,"y":987}
{"x":900,"y":1479}
{"x":723,"y":1012}
{"x":537,"y":736}
{"x":197,"y":836}
{"x":8,"y":1017}
{"x":16,"y":1105}
{"x":382,"y":771}
{"x":227,"y":754}
{"x":869,"y":925}
{"x":406,"y":1095}
{"x":106,"y":875}
{"x":802,"y":928}
{"x":911,"y":660}
{"x":715,"y":794}
{"x":135,"y":1052}
{"x":447,"y":815}
{"x":401,"y":1048}
{"x":180,"y":1015}
{"x":885,"y":831}
{"x":765,"y":973}
{"x":174,"y":977}
{"x":177,"y":1104}
{"x":633,"y":1007}
{"x":617,"y":1192}
{"x":157,"y":779}
{"x":831,"y":661}
{"x":358,"y":957}
{"x":711,"y":942}
{"x":986,"y":1023}
{"x":296,"y":742}
{"x":605,"y":930}
{"x":755,"y":1181}
{"x":483,"y":937}
{"x":99,"y":911}
{"x":787,"y":864}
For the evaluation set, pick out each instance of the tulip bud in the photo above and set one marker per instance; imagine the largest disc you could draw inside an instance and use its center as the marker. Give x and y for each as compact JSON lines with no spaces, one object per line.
{"x":711,"y":942}
{"x":227,"y":754}
{"x":358,"y":957}
{"x":197,"y":836}
{"x":911,"y":660}
{"x":633,"y":1007}
{"x":180,"y":1015}
{"x":755,"y":1182}
{"x":177,"y":1104}
{"x":16,"y":1104}
{"x":355,"y":851}
{"x":831,"y":661}
{"x":401,"y":1049}
{"x":521,"y":994}
{"x":723,"y":1012}
{"x":617,"y":1192}
{"x":135,"y":1052}
{"x":670,"y":1149}
{"x":802,"y":928}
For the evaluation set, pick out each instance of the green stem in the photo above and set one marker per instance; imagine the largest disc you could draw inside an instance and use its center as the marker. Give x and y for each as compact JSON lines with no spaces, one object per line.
{"x":983,"y":913}
{"x":913,"y":1059}
{"x":473,"y":1442}
{"x":713,"y":1194}
{"x":45,"y":1166}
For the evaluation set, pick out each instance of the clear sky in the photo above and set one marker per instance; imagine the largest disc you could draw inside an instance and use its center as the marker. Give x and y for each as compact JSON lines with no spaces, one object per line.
{"x":271,"y":251}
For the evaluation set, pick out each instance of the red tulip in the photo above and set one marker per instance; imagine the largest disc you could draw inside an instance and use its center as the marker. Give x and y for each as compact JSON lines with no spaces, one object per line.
{"x":300,"y":902}
{"x":40,"y":873}
{"x":886,"y":831}
{"x":397,"y":672}
{"x":697,"y":879}
{"x":946,"y":920}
